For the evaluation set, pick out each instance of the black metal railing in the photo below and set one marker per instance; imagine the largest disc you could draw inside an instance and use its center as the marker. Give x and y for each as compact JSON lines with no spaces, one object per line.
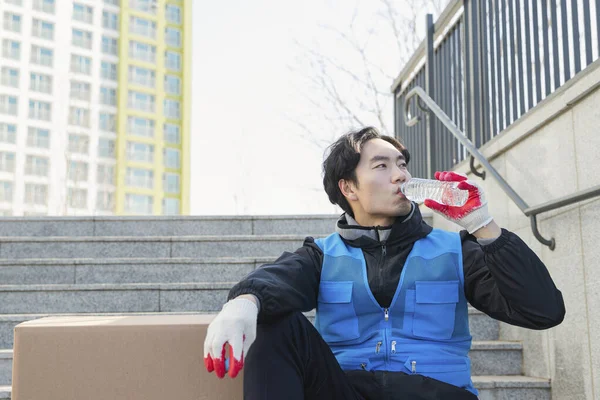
{"x":486,"y":63}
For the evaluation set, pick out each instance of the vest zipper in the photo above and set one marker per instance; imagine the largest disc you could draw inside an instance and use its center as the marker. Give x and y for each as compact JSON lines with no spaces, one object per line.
{"x":386,"y":314}
{"x":363,"y":366}
{"x":378,"y":347}
{"x":393,"y":347}
{"x":414,"y":366}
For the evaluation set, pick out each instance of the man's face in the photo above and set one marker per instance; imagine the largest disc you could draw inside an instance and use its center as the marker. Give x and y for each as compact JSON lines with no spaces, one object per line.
{"x":380,"y":172}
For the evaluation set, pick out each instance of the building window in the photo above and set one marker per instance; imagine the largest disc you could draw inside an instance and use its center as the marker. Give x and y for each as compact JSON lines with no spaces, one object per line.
{"x":142,"y":51}
{"x":110,"y":20}
{"x":172,"y":109}
{"x":10,"y":77}
{"x":42,"y":56}
{"x":11,"y":49}
{"x":15,"y":2}
{"x":108,"y":96}
{"x":148,"y":6}
{"x":40,"y":110}
{"x":141,"y":101}
{"x":173,"y":14}
{"x":36,"y":166}
{"x":170,"y":206}
{"x":80,"y":91}
{"x":79,"y":117}
{"x":140,"y":152}
{"x":138,"y":204}
{"x":77,"y":198}
{"x":109,"y":45}
{"x":142,"y":76}
{"x":142,"y":27}
{"x":37,"y":137}
{"x":108,"y":122}
{"x":171,"y":134}
{"x":140,"y":126}
{"x":7,"y":161}
{"x":112,"y":2}
{"x":140,"y":178}
{"x":83,"y":13}
{"x":106,"y":148}
{"x":42,"y":29}
{"x":46,"y":6}
{"x":40,"y":83}
{"x":79,"y":144}
{"x":12,"y":22}
{"x":36,"y":193}
{"x":173,"y":60}
{"x":8,"y":133}
{"x":173,"y":37}
{"x":172,"y":85}
{"x":82,"y":38}
{"x":105,"y":175}
{"x":8,"y":105}
{"x":108,"y":70}
{"x":78,"y":171}
{"x":6,"y":191}
{"x":171,"y":158}
{"x":105,"y":200}
{"x":171,"y":183}
{"x":81,"y":64}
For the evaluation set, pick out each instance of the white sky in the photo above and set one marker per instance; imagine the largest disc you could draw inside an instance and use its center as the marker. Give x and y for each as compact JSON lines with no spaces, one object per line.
{"x":246,"y":156}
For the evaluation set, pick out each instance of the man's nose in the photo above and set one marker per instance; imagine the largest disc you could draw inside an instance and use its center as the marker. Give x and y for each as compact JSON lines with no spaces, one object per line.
{"x":400,"y":175}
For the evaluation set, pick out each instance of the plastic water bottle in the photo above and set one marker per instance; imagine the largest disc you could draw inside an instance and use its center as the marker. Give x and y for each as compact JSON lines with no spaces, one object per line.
{"x":441,"y":191}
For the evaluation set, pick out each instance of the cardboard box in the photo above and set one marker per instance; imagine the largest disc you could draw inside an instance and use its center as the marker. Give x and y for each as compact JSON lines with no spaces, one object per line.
{"x":157,"y":357}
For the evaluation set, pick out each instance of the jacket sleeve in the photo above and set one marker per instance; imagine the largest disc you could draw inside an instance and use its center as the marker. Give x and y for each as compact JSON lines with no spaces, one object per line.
{"x":291,"y":283}
{"x":506,"y":280}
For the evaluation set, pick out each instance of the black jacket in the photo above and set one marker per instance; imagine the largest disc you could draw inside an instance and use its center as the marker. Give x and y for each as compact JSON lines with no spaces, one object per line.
{"x":504,"y":279}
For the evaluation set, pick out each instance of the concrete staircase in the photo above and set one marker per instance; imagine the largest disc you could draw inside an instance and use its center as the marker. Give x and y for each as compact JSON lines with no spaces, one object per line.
{"x":116,"y":265}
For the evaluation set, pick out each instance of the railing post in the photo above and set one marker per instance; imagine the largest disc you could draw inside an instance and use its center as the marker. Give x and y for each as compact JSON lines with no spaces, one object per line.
{"x":429,"y":80}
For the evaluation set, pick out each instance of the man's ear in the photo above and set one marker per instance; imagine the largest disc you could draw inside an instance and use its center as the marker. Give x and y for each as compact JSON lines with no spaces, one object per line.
{"x":348,"y":189}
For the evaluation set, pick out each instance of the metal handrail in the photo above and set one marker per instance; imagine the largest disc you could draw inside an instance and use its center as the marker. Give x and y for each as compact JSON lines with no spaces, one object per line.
{"x":530,"y":212}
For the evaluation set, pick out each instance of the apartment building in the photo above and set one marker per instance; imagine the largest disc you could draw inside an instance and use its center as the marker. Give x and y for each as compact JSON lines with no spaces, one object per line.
{"x":94,"y":107}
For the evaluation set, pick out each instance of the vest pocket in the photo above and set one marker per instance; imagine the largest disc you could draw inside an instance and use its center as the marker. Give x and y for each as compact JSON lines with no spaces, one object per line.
{"x":336,"y":314}
{"x":354,"y":364}
{"x":435,"y":308}
{"x":454,"y":371}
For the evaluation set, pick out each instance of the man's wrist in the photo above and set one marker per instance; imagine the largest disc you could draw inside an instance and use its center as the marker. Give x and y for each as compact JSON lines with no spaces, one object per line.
{"x":250,"y":297}
{"x":489,"y":231}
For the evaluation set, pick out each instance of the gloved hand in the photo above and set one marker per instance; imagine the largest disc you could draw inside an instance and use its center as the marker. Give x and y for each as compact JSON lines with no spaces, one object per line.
{"x":473,"y":215}
{"x":236,"y":325}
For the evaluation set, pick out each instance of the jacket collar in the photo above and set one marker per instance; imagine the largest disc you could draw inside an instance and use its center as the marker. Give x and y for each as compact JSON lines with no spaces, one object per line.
{"x":406,"y":229}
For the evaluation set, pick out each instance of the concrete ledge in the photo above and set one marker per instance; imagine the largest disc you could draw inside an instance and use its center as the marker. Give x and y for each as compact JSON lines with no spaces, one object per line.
{"x":149,"y":247}
{"x":167,"y":225}
{"x":5,"y":392}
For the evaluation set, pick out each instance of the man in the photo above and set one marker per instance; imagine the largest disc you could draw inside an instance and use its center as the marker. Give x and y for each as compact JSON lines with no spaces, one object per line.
{"x":391,"y":292}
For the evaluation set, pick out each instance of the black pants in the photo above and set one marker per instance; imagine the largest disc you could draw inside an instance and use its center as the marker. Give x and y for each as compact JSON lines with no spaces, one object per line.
{"x":290,"y":361}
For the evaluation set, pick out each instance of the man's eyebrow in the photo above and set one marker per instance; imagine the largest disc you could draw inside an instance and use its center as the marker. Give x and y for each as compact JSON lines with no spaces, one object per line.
{"x":385,"y":158}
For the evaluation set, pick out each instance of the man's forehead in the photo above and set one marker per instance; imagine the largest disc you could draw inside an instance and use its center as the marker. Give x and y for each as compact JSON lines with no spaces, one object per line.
{"x":379,"y":147}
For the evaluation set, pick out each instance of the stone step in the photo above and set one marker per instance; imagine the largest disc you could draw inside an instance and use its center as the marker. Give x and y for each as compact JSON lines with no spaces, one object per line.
{"x":483,"y":328}
{"x":512,"y":388}
{"x":490,"y":388}
{"x":482,"y":358}
{"x":149,"y":247}
{"x":168,"y":226}
{"x":98,"y":298}
{"x":6,"y":357}
{"x":126,"y":270}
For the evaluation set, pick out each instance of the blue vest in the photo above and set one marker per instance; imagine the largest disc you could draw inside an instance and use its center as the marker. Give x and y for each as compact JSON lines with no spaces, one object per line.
{"x":426,"y":328}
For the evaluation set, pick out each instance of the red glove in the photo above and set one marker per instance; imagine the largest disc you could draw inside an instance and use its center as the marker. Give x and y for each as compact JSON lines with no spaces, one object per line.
{"x":473,"y":215}
{"x":236,"y":325}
